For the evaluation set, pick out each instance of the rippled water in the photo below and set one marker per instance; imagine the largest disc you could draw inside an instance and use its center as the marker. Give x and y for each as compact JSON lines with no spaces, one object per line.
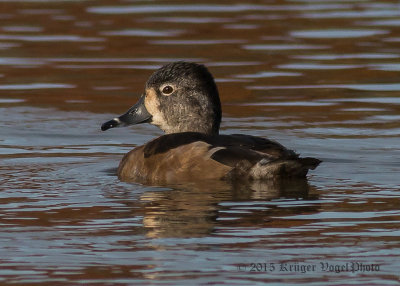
{"x":321,"y":77}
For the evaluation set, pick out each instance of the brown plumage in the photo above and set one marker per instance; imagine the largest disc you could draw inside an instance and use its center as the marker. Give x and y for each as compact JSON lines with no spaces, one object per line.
{"x":182,"y":99}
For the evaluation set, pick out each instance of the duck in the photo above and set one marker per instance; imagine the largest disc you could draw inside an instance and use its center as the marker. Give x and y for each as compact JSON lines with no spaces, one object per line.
{"x":182,"y":99}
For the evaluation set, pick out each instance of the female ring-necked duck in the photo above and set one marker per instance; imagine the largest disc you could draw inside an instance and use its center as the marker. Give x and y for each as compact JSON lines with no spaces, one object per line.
{"x":181,"y":98}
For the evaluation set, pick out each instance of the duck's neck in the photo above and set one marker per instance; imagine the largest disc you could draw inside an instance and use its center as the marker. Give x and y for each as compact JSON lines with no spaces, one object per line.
{"x":192,"y":126}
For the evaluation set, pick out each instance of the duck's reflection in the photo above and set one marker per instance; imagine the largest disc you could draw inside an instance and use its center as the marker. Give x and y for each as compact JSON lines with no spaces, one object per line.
{"x":196,"y":208}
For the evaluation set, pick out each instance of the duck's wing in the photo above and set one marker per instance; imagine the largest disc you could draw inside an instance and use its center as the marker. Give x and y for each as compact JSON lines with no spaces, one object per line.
{"x":234,"y":142}
{"x":265,"y":146}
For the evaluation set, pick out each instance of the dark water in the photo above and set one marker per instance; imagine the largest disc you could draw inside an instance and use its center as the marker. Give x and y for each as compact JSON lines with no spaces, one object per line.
{"x":321,"y":77}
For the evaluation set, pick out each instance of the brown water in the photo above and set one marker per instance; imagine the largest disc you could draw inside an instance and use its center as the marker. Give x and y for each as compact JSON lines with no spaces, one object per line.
{"x":321,"y":77}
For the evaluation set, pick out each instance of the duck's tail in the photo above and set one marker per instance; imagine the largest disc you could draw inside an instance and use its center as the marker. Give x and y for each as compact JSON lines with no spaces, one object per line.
{"x":309,"y":162}
{"x":292,"y":168}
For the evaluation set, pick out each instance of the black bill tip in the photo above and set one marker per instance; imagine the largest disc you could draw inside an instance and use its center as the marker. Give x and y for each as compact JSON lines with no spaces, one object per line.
{"x":135,"y":115}
{"x":110,"y":124}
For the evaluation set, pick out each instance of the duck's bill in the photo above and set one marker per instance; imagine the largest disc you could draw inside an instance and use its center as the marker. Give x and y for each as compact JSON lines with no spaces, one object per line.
{"x":135,"y":115}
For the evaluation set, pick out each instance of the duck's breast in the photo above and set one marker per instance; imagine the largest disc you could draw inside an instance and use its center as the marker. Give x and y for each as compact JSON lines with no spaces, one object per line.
{"x":188,"y":162}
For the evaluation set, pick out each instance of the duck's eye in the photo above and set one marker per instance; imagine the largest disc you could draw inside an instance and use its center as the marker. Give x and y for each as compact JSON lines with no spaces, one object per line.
{"x":167,"y":89}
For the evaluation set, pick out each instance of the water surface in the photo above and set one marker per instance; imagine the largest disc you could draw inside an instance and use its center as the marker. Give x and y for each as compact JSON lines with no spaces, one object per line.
{"x":321,"y":77}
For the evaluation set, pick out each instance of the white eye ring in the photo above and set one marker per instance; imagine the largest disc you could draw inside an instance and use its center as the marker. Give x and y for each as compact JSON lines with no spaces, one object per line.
{"x":167,"y":89}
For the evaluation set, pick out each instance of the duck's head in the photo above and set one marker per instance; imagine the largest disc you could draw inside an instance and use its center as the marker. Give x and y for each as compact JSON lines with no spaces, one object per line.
{"x":179,"y":97}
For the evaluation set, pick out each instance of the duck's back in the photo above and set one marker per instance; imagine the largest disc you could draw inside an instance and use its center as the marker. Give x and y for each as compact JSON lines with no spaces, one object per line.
{"x":188,"y":156}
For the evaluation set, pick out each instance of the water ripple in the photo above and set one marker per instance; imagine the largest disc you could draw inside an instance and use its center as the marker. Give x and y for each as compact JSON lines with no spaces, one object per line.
{"x":280,"y":47}
{"x":365,"y":87}
{"x":28,"y":86}
{"x":389,"y":23}
{"x":143,"y":33}
{"x":31,"y":29}
{"x":348,"y":56}
{"x":312,"y":66}
{"x":351,"y":14}
{"x":50,"y":38}
{"x":209,"y":8}
{"x":11,"y":100}
{"x":386,"y":67}
{"x":188,"y":20}
{"x":265,"y":74}
{"x":197,"y":42}
{"x":337,"y":34}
